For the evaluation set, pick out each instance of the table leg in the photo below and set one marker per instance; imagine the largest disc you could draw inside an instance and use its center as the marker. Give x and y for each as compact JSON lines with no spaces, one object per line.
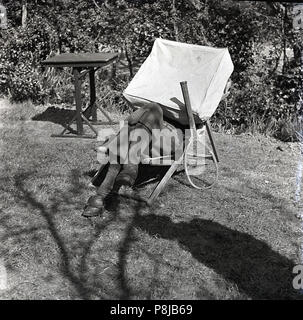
{"x":76,"y":72}
{"x":93,"y":93}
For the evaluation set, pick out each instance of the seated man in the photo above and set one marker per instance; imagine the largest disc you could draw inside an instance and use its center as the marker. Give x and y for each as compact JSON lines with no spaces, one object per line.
{"x":125,"y":153}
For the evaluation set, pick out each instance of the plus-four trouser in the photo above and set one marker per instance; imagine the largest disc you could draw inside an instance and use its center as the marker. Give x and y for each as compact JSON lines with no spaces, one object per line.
{"x":141,"y":121}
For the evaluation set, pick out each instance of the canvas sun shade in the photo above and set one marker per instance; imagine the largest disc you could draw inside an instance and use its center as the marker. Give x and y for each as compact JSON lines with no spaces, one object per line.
{"x":205,"y":69}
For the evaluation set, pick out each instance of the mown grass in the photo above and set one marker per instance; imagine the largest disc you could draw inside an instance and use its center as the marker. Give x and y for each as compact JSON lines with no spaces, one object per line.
{"x":239,"y":240}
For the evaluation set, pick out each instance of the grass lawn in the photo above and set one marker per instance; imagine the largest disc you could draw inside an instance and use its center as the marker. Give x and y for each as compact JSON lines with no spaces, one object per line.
{"x":238,"y":240}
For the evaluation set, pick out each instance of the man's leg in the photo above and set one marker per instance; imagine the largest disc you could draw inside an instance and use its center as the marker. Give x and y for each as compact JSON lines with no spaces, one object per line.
{"x":129,"y":171}
{"x":151,"y":119}
{"x":95,"y":204}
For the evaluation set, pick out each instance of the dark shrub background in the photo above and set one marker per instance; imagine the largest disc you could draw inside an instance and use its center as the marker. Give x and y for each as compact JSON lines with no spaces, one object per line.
{"x":265,"y":91}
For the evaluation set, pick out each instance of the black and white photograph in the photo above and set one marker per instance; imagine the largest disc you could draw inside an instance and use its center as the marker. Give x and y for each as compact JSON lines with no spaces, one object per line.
{"x":151,"y":150}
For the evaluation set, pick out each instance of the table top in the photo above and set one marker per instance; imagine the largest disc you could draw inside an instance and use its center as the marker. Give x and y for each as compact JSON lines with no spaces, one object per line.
{"x":81,"y":59}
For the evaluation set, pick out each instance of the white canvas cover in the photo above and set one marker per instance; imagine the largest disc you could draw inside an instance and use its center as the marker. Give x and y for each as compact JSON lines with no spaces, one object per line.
{"x":205,"y":69}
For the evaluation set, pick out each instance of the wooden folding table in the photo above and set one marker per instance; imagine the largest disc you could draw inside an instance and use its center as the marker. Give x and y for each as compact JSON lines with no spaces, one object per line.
{"x":83,"y":64}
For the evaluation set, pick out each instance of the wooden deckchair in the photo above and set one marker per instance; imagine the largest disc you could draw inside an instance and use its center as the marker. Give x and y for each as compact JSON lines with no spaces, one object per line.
{"x":176,"y":163}
{"x":212,"y":153}
{"x":206,"y":71}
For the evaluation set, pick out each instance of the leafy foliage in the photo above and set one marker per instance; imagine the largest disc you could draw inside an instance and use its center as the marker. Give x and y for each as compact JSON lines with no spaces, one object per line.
{"x":255,"y":34}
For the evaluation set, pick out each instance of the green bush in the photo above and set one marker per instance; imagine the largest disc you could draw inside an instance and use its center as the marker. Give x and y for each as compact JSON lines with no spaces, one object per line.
{"x":21,"y":56}
{"x":259,"y":95}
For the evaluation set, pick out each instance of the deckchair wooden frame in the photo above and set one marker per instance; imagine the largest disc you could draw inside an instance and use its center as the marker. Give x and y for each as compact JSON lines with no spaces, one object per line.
{"x":178,"y":162}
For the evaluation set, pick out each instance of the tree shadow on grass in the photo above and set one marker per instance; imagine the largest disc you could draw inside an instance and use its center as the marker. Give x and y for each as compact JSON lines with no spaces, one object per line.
{"x":123,"y":251}
{"x":131,"y":211}
{"x":256,"y":269}
{"x":84,"y":276}
{"x":77,"y":278}
{"x":251,"y":264}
